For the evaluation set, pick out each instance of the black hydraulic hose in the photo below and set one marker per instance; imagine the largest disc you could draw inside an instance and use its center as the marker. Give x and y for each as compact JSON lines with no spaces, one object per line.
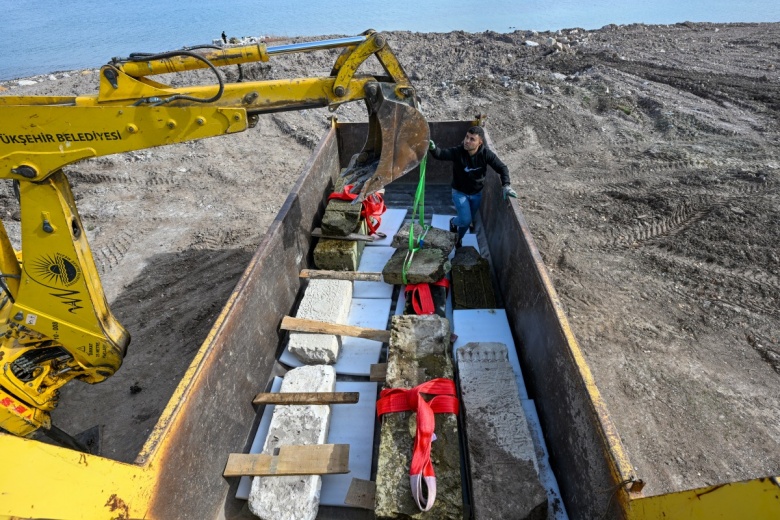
{"x":4,"y":287}
{"x":141,"y":56}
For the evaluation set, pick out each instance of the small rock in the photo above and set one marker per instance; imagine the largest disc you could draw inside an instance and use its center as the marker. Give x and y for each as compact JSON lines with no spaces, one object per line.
{"x":26,"y":82}
{"x":559,"y":76}
{"x":737,"y":210}
{"x":135,"y":388}
{"x":52,"y":77}
{"x":551,"y":41}
{"x":530,"y":43}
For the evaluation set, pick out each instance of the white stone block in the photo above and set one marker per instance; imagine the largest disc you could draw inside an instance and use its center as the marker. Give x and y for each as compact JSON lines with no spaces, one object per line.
{"x":323,"y":300}
{"x":295,"y":497}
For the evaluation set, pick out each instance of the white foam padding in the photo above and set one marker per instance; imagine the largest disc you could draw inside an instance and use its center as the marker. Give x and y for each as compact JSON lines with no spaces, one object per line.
{"x":357,"y":354}
{"x":392,"y":219}
{"x":441,"y":221}
{"x":556,"y":510}
{"x":351,"y":424}
{"x":470,"y":239}
{"x":373,"y":260}
{"x":486,"y":325}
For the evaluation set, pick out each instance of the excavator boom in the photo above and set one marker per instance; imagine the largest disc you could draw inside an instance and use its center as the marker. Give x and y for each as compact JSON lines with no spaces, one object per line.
{"x":55,"y":324}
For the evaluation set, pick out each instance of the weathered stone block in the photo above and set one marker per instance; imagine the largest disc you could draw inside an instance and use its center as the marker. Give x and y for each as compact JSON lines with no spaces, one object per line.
{"x":435,"y":238}
{"x":471,"y":284}
{"x":284,"y":498}
{"x":341,"y":217}
{"x":323,"y":300}
{"x":428,"y":266}
{"x":339,"y":255}
{"x":417,"y":342}
{"x":504,"y":469}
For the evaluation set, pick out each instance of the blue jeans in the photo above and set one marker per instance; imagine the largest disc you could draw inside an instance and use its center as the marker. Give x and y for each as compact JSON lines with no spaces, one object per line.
{"x":466,"y":206}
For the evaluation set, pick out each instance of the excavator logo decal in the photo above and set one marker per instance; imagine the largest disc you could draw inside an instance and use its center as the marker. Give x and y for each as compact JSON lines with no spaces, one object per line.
{"x":57,"y":269}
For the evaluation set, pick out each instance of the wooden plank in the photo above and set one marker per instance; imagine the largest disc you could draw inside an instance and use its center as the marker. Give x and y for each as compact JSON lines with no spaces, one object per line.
{"x":361,"y":494}
{"x":341,"y":275}
{"x":317,"y":232}
{"x":317,"y":459}
{"x":303,"y":325}
{"x":378,"y":372}
{"x":294,"y":398}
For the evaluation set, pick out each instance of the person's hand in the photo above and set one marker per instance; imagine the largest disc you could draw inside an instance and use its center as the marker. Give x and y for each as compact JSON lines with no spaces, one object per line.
{"x":509,"y":192}
{"x":431,"y":145}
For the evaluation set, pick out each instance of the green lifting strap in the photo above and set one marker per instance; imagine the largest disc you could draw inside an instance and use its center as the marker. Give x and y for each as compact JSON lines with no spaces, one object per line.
{"x":419,"y":202}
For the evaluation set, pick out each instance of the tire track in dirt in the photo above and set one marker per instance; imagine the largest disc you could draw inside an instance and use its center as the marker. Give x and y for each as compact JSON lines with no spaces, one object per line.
{"x":704,"y":278}
{"x":685,"y":214}
{"x":143,"y":178}
{"x":108,"y":256}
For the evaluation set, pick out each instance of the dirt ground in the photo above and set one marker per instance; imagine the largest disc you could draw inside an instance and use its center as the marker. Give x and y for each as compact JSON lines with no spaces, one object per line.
{"x":646,"y":159}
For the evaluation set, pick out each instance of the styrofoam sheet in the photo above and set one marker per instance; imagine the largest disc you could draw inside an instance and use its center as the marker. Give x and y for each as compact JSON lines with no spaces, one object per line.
{"x":556,"y":509}
{"x":373,"y":260}
{"x":351,"y":424}
{"x":441,"y":221}
{"x":486,"y":325}
{"x":392,"y":219}
{"x":470,"y":239}
{"x":357,"y":354}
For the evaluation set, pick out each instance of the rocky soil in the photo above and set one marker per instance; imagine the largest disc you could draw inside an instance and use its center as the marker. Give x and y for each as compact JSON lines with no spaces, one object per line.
{"x":646,"y":158}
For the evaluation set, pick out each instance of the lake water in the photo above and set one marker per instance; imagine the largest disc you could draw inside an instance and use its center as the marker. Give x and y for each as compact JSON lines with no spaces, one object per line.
{"x":41,"y":36}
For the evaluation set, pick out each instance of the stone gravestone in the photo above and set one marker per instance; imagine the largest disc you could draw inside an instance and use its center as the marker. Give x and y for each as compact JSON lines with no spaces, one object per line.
{"x":418,"y":342}
{"x":502,"y":458}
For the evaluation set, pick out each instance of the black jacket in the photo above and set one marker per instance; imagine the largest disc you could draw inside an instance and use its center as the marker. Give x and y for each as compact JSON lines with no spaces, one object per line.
{"x":469,"y":171}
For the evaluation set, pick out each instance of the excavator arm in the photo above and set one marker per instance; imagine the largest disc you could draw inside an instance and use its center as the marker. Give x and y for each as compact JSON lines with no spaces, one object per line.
{"x":55,"y":323}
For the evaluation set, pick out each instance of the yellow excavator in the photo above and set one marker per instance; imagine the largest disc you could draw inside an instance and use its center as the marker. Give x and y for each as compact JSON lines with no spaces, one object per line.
{"x":55,"y":324}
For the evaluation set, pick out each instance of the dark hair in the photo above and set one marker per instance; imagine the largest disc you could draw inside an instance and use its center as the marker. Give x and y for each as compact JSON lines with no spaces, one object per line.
{"x":477,"y":130}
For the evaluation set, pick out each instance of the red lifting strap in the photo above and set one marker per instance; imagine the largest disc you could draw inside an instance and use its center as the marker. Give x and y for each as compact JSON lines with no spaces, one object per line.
{"x":422,"y":300}
{"x":403,"y":400}
{"x":373,"y":206}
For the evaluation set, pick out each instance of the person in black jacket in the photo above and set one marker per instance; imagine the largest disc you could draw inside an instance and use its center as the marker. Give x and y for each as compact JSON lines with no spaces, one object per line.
{"x":470,"y":160}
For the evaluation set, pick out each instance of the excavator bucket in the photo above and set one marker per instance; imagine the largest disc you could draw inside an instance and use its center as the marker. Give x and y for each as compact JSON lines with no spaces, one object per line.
{"x":397,"y":141}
